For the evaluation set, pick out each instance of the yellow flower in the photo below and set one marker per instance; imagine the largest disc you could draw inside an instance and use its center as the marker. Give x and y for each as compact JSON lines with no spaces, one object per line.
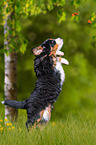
{"x":1,"y":128}
{"x":19,"y":129}
{"x":27,"y":5}
{"x":10,"y":124}
{"x":0,"y":125}
{"x":13,"y":127}
{"x":53,"y":123}
{"x":6,"y":119}
{"x":5,"y":3}
{"x":7,"y":124}
{"x":1,"y":120}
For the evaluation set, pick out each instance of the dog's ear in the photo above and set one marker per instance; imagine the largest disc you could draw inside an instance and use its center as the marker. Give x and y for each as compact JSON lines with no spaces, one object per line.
{"x":37,"y":50}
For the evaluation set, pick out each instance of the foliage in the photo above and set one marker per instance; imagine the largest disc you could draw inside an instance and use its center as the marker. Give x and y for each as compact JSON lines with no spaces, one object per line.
{"x":56,"y":20}
{"x":15,"y":10}
{"x":19,"y":9}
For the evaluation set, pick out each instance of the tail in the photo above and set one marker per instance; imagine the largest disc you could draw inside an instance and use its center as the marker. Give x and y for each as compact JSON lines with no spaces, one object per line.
{"x":15,"y":104}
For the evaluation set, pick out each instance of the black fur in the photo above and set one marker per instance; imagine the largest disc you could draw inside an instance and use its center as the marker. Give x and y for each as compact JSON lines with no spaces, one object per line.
{"x":47,"y":87}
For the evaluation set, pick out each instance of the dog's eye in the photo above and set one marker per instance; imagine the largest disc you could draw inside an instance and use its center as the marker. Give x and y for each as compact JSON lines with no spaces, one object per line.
{"x":53,"y":42}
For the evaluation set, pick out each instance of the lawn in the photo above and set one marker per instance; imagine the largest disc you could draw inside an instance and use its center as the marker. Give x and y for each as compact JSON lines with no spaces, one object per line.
{"x":79,"y":129}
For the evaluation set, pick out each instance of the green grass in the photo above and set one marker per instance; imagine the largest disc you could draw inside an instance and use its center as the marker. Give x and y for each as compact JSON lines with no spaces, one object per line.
{"x":79,"y":129}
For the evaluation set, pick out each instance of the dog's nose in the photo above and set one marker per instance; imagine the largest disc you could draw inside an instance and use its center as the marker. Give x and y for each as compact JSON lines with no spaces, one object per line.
{"x":60,"y":37}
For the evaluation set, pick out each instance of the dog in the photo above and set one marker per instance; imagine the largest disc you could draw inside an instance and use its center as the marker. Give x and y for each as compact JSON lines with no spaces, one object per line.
{"x":50,"y":77}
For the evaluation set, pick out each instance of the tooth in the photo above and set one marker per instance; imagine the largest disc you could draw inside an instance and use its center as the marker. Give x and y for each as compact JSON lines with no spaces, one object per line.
{"x":64,"y":61}
{"x":59,"y":53}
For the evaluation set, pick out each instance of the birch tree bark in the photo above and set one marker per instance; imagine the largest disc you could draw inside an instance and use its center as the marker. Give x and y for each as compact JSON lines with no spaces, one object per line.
{"x":10,"y":82}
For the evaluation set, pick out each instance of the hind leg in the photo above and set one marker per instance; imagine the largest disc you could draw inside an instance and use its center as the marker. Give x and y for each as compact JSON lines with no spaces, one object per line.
{"x":34,"y":121}
{"x":30,"y":123}
{"x":31,"y":115}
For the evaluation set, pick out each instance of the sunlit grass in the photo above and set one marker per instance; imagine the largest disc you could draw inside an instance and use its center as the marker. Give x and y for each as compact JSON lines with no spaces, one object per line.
{"x":77,"y":129}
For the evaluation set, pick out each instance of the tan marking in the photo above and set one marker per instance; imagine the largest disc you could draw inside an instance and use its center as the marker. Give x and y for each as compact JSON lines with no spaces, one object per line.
{"x":54,"y":60}
{"x":53,"y":53}
{"x":53,"y":50}
{"x":56,"y":46}
{"x":37,"y":123}
{"x":44,"y":57}
{"x":49,"y":111}
{"x":59,"y":58}
{"x":38,"y":120}
{"x":39,"y":47}
{"x":37,"y":50}
{"x":41,"y":115}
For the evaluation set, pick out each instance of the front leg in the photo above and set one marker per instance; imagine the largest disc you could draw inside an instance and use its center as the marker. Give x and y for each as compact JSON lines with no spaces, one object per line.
{"x":47,"y":114}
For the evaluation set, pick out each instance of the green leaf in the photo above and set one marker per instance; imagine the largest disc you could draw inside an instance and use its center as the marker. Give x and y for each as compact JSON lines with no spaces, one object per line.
{"x":1,"y":50}
{"x":18,"y":26}
{"x":6,"y":52}
{"x":77,"y":18}
{"x":50,"y":5}
{"x":78,"y":1}
{"x":61,"y":16}
{"x":72,"y":2}
{"x":10,"y":32}
{"x":23,"y":47}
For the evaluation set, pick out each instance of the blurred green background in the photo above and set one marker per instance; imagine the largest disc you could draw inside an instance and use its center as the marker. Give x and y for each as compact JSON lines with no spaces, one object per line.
{"x":79,"y":89}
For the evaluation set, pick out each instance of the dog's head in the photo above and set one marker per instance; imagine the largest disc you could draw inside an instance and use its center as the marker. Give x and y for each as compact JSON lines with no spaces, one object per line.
{"x":50,"y":47}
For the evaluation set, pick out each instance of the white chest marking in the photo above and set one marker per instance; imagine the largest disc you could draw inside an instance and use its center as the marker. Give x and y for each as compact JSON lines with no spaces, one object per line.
{"x":60,"y":69}
{"x":46,"y":114}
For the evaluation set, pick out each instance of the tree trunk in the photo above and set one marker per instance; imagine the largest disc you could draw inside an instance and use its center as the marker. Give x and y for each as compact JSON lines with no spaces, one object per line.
{"x":10,"y":88}
{"x":10,"y":84}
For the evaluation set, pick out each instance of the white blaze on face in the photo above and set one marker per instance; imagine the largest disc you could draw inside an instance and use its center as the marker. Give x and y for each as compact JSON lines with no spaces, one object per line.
{"x":60,"y":60}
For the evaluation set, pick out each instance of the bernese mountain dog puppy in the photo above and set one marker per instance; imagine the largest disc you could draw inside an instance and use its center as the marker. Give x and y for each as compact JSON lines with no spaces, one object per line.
{"x":50,"y":77}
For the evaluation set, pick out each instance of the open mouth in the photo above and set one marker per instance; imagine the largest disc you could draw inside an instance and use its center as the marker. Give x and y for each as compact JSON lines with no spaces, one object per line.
{"x":59,"y":53}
